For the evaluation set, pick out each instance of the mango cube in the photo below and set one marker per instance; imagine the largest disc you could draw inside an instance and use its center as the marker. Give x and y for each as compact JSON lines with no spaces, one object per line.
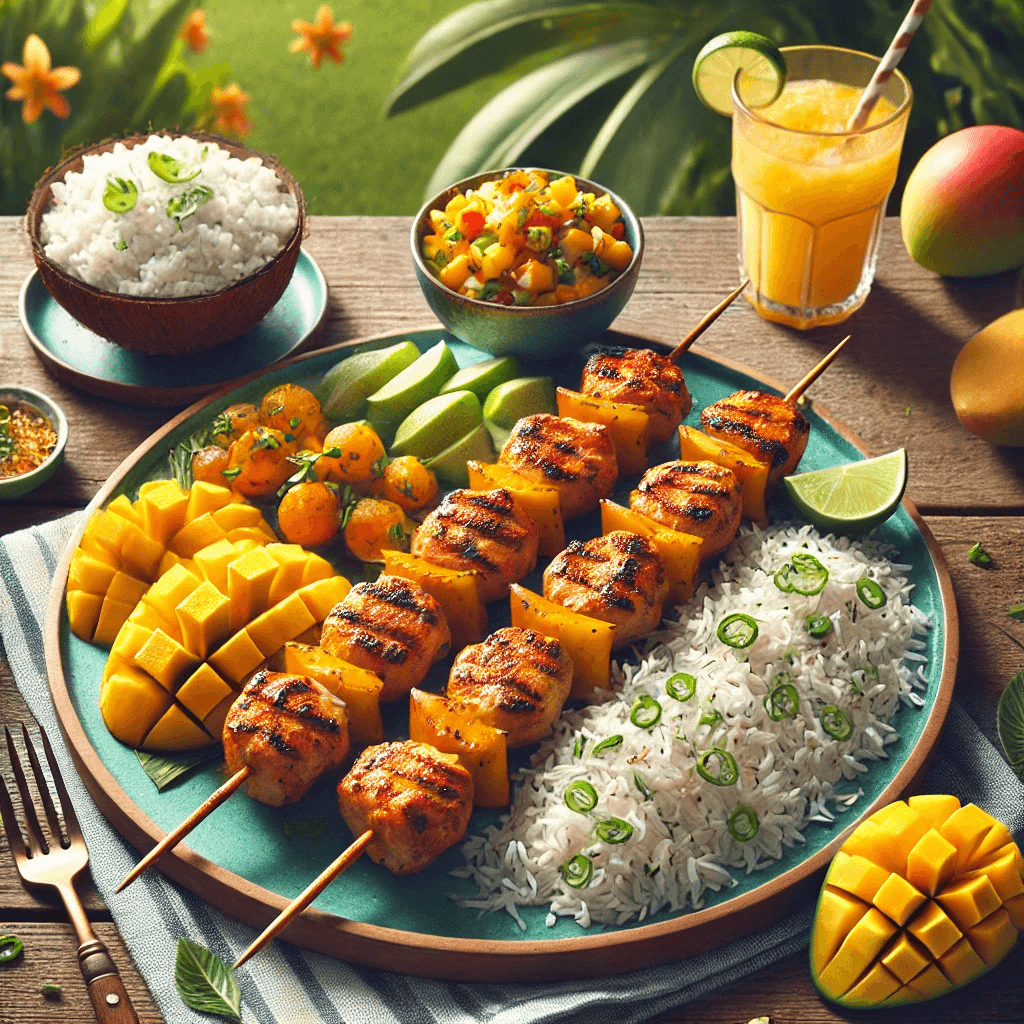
{"x":291,"y":564}
{"x":195,"y":535}
{"x":212,"y":562}
{"x":203,"y":691}
{"x":175,"y":731}
{"x":122,"y":506}
{"x":235,"y":515}
{"x":83,"y":613}
{"x":126,"y":589}
{"x":89,"y":573}
{"x":163,"y":510}
{"x":204,"y":498}
{"x":113,"y":615}
{"x":131,"y":702}
{"x":237,"y":657}
{"x":248,"y":586}
{"x":279,"y":624}
{"x":170,"y":590}
{"x":323,"y":594}
{"x":165,"y":660}
{"x":203,"y":618}
{"x":317,"y":568}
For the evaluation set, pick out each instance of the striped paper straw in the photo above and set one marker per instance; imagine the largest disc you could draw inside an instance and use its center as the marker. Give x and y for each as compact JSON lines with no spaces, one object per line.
{"x":888,"y":63}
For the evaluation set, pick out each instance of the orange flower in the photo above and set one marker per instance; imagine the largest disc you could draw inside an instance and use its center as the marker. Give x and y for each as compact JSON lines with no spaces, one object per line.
{"x":228,"y":110}
{"x":322,"y":37}
{"x":194,"y":32}
{"x":37,"y":83}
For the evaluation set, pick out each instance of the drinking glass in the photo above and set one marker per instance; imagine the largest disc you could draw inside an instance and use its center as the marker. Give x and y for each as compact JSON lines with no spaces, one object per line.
{"x":810,"y":197}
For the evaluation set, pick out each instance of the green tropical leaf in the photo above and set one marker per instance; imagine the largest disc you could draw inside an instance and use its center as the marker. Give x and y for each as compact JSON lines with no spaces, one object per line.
{"x":498,"y":134}
{"x":1010,"y":723}
{"x":164,"y":770}
{"x":485,"y":37}
{"x":205,"y":982}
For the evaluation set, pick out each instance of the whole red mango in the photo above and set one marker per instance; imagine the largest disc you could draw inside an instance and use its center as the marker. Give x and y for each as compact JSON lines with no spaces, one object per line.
{"x":963,"y":207}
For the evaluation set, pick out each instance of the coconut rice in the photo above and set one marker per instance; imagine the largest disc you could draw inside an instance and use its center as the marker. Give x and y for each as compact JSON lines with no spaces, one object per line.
{"x":678,"y":842}
{"x":242,"y":217}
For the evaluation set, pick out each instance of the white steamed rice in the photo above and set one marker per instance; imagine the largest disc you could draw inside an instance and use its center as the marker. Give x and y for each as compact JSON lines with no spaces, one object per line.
{"x":241,"y":227}
{"x":790,"y":771}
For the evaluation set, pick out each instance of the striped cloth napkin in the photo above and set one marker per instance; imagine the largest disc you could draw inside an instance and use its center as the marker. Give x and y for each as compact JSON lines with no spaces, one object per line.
{"x":285,"y":984}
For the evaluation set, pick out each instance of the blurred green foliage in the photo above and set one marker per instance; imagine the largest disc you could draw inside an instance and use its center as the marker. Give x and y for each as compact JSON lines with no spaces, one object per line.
{"x":605,"y":86}
{"x":134,"y":75}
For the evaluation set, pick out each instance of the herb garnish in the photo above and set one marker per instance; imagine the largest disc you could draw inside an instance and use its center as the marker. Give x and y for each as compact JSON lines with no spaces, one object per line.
{"x":120,"y":196}
{"x":183,"y":206}
{"x":205,"y":983}
{"x":168,"y":169}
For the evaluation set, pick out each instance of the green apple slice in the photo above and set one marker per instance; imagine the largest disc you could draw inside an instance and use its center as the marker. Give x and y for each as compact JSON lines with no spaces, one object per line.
{"x":450,"y":465}
{"x":436,"y":424}
{"x":482,"y":378}
{"x":346,"y":386}
{"x":510,"y":402}
{"x":388,"y":406}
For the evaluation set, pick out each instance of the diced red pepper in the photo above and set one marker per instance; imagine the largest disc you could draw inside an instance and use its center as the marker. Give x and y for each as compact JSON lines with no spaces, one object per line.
{"x":538,"y":219}
{"x":618,"y":231}
{"x":473,"y":222}
{"x":504,"y":299}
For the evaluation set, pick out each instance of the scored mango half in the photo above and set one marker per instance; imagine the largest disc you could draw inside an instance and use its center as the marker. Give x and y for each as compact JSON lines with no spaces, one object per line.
{"x":923,"y":897}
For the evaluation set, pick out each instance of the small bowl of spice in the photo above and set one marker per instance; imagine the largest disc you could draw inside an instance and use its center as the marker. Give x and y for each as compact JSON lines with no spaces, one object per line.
{"x":33,"y":433}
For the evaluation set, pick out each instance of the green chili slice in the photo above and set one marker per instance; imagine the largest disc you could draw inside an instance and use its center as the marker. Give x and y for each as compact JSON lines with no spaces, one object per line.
{"x":11,"y":948}
{"x":710,"y":717}
{"x":608,"y":743}
{"x":870,"y":592}
{"x":168,"y":169}
{"x":782,"y":702}
{"x":743,"y":823}
{"x":818,"y":625}
{"x":682,"y":686}
{"x":646,"y":712}
{"x":718,"y":767}
{"x":577,"y":748}
{"x":641,"y":784}
{"x":836,"y":722}
{"x":578,"y":871}
{"x":737,"y":630}
{"x":120,"y":196}
{"x":803,"y":574}
{"x":613,"y":830}
{"x":183,"y":206}
{"x":580,"y":796}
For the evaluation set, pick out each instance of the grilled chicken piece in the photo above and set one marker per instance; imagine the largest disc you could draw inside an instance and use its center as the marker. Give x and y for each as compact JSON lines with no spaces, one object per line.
{"x":770,"y":428}
{"x":699,"y":498}
{"x":289,"y":730}
{"x":641,"y":377}
{"x":416,"y":799}
{"x":618,"y":578}
{"x":485,"y":531}
{"x":391,"y":627}
{"x":576,"y":458}
{"x":516,"y":680}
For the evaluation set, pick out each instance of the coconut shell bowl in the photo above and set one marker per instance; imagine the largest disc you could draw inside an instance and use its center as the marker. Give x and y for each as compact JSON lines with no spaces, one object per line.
{"x":167,"y":326}
{"x":530,"y":332}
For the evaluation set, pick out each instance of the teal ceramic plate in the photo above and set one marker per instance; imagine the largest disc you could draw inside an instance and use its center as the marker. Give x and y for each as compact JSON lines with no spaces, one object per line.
{"x":409,"y":923}
{"x":75,"y":355}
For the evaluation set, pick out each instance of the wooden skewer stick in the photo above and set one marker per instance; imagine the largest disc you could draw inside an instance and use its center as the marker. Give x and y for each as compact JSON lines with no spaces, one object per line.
{"x":811,"y":377}
{"x":169,"y":841}
{"x":708,"y":319}
{"x":310,"y":893}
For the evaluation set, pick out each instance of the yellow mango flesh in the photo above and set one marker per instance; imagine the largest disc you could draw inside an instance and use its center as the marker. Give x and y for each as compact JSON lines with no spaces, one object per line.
{"x":626,"y":423}
{"x":541,"y":503}
{"x":751,"y":473}
{"x":923,"y":897}
{"x":194,"y":592}
{"x":587,"y":641}
{"x":679,"y":551}
{"x":449,"y":726}
{"x":455,"y":591}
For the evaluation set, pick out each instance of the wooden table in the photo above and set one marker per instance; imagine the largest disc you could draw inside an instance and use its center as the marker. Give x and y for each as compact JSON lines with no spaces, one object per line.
{"x":890,"y":386}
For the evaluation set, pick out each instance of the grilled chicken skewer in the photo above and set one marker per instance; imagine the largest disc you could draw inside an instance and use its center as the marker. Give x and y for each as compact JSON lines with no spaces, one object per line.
{"x":407,"y":803}
{"x":516,"y":680}
{"x":618,"y":578}
{"x":485,"y":531}
{"x":643,"y":377}
{"x":392,"y":628}
{"x":770,"y":428}
{"x":576,"y":458}
{"x":699,"y":498}
{"x":281,"y":734}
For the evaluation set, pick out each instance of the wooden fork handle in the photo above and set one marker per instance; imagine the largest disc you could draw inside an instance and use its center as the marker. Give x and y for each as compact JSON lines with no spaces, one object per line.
{"x":106,"y":989}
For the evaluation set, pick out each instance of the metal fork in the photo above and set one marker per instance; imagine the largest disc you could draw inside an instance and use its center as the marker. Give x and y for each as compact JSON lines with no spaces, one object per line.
{"x":56,"y":861}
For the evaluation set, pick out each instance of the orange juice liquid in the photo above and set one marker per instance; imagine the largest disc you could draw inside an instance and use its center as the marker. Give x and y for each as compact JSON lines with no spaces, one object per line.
{"x":810,"y":205}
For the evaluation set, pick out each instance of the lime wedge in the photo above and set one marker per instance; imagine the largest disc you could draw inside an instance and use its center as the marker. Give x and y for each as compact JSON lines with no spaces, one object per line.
{"x":450,"y":465}
{"x":439,"y":422}
{"x":760,"y":60}
{"x":851,"y":498}
{"x":388,"y":406}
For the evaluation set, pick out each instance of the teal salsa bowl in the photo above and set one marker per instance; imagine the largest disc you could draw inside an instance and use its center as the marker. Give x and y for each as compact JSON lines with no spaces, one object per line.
{"x":530,"y":332}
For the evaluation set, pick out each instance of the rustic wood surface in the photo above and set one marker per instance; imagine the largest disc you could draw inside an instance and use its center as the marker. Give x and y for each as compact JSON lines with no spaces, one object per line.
{"x":890,"y":386}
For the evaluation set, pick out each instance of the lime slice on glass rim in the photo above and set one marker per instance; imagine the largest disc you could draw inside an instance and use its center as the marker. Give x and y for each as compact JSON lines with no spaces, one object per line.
{"x":851,"y":498}
{"x":760,"y":60}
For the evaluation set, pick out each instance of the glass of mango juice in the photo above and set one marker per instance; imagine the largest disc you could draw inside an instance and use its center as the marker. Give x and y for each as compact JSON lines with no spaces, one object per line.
{"x":810,"y":195}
